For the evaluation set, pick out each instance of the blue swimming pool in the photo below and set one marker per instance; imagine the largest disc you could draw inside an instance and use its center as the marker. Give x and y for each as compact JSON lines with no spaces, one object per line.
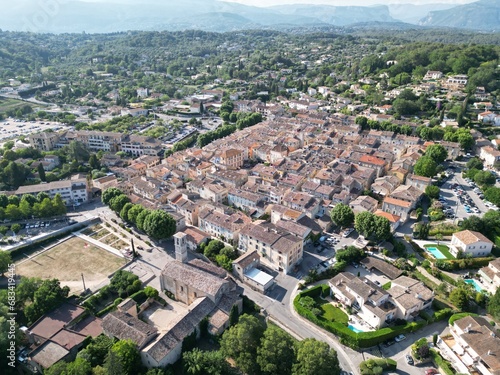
{"x":474,"y":284}
{"x":352,"y":328}
{"x":434,"y":251}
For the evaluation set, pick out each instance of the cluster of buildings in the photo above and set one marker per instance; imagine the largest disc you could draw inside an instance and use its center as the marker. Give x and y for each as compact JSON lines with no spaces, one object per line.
{"x":201,"y":290}
{"x":113,"y":142}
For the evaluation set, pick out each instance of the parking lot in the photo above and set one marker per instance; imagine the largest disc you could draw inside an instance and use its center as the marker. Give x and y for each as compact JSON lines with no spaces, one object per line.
{"x":11,"y":128}
{"x":461,"y":198}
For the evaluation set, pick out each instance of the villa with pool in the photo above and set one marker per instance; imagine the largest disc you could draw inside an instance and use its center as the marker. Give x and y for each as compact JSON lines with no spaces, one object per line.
{"x":377,"y":307}
{"x":469,"y":242}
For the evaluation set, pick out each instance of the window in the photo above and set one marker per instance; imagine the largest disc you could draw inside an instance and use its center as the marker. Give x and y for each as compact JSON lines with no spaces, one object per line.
{"x":182,"y":289}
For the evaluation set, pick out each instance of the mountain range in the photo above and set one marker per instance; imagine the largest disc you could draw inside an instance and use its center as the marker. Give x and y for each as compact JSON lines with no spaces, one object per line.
{"x":214,"y":15}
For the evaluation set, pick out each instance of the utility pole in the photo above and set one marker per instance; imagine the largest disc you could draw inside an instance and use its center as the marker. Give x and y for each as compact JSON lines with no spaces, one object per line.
{"x":83,"y":281}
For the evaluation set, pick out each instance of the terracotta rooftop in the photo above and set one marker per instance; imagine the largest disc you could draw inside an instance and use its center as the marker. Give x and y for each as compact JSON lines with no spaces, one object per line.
{"x":468,"y":237}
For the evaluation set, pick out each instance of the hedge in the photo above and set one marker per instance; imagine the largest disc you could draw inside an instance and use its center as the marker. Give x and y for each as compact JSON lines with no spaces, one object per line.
{"x":460,"y":264}
{"x":458,"y":316}
{"x":441,"y":363}
{"x":448,"y":279}
{"x":387,"y":364}
{"x":110,"y":307}
{"x":347,"y":336}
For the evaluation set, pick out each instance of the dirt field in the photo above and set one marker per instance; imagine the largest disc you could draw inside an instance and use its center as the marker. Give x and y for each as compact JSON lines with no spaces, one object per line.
{"x":68,"y":260}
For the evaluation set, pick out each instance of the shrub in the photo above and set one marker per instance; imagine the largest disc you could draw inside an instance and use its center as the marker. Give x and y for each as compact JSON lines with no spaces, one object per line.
{"x":372,"y":366}
{"x":347,"y":336}
{"x":458,"y":316}
{"x":441,"y":363}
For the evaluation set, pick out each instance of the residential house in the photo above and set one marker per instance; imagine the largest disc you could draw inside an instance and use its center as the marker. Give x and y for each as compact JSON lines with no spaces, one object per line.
{"x":470,"y":242}
{"x":476,"y":346}
{"x":364,"y":203}
{"x":246,"y":200}
{"x":410,"y":296}
{"x":231,"y":158}
{"x":394,"y":220}
{"x":59,"y":335}
{"x":384,"y":186}
{"x":418,"y":182}
{"x":370,"y":301}
{"x":302,"y":202}
{"x":222,"y":225}
{"x":44,"y":141}
{"x":453,"y":148}
{"x":490,"y":155}
{"x":490,"y":275}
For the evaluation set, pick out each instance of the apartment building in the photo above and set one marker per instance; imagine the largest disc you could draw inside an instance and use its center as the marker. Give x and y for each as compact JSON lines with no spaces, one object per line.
{"x":73,"y":191}
{"x":477,"y":346}
{"x":279,"y":249}
{"x":43,"y":141}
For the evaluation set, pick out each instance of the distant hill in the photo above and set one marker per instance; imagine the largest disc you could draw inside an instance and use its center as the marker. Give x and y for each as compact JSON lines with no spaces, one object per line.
{"x":209,"y":15}
{"x":481,"y":15}
{"x":412,"y":13}
{"x":76,"y":16}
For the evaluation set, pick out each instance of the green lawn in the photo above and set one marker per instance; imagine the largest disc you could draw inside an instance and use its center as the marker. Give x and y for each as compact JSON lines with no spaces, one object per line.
{"x":334,"y":314}
{"x":445,"y":250}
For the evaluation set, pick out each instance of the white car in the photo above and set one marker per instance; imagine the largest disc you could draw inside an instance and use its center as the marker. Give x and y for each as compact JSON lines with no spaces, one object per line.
{"x":347,"y":232}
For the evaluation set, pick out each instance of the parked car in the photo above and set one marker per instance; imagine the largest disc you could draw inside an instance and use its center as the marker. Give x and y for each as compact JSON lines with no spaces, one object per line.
{"x":400,"y":338}
{"x":347,"y":232}
{"x":431,"y":371}
{"x":409,"y":359}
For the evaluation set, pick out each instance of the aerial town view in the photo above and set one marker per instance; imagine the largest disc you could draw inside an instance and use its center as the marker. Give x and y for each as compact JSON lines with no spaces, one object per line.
{"x":246,"y":187}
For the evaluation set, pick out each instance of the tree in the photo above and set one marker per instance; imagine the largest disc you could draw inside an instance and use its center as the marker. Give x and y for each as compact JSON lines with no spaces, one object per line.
{"x":58,"y":205}
{"x":475,"y":163}
{"x":276,"y":354}
{"x":423,"y":351}
{"x":315,"y":357}
{"x":213,"y":249}
{"x":473,"y":223}
{"x":349,"y":255}
{"x":425,"y":166}
{"x":383,"y":228}
{"x":364,"y":223}
{"x":41,"y":172}
{"x":13,"y":212}
{"x":159,"y":225}
{"x":117,"y":203}
{"x":459,"y":298}
{"x":94,"y":162}
{"x":127,"y":355}
{"x":342,"y":215}
{"x":3,"y":232}
{"x":437,"y":153}
{"x":494,"y":305}
{"x":5,"y":260}
{"x":15,"y":228}
{"x":241,"y":341}
{"x":141,"y":217}
{"x":492,"y":194}
{"x":432,"y":191}
{"x":77,"y":151}
{"x":133,"y":212}
{"x":40,"y":197}
{"x":124,"y":211}
{"x":109,"y":194}
{"x":483,"y":178}
{"x":234,"y":315}
{"x":25,"y":208}
{"x":46,"y":298}
{"x":95,"y":353}
{"x":197,"y":362}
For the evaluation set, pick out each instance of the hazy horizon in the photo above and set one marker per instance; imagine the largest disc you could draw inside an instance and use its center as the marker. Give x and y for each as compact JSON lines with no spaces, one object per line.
{"x":268,"y":3}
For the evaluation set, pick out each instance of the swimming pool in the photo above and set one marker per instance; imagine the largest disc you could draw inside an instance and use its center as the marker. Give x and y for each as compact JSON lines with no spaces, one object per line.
{"x":474,"y":284}
{"x":434,"y":251}
{"x":352,"y":328}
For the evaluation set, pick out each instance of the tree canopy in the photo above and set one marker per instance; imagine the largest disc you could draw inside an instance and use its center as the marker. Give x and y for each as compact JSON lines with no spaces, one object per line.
{"x":342,"y":215}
